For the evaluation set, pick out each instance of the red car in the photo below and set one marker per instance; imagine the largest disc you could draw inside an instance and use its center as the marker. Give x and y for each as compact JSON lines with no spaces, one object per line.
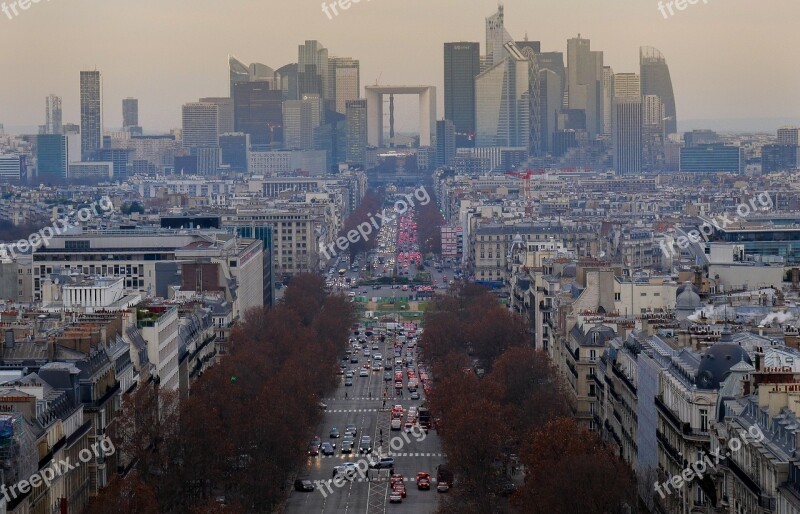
{"x":423,"y":480}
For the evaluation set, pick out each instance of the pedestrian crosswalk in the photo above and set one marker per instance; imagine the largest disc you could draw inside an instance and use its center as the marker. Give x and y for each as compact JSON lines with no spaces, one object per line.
{"x":354,"y":398}
{"x":388,"y":454}
{"x":353,"y":410}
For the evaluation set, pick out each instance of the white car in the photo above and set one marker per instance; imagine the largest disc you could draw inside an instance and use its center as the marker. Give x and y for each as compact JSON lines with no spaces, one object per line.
{"x":363,"y":373}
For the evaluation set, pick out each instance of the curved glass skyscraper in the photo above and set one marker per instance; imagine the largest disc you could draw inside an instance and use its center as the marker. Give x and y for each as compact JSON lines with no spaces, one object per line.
{"x":239,"y":72}
{"x":656,"y":80}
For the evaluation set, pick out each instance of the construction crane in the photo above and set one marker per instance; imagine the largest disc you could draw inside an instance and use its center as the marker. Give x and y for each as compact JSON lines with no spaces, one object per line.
{"x":525,"y":176}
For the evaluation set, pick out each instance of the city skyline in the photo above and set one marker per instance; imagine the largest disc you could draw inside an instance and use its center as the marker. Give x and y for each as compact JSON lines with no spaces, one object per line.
{"x":689,"y":41}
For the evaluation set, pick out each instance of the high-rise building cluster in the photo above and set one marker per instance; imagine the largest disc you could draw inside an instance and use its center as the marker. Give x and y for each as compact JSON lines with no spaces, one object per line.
{"x":561,"y":110}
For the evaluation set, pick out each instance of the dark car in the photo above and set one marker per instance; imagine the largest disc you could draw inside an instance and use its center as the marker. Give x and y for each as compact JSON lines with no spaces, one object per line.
{"x":328,"y":448}
{"x":347,"y":447}
{"x":366,"y":445}
{"x":313,"y":450}
{"x":303,"y":485}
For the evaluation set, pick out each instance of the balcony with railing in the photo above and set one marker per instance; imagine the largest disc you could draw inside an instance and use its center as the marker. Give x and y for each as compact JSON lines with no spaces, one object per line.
{"x":668,"y":414}
{"x":669,"y":449}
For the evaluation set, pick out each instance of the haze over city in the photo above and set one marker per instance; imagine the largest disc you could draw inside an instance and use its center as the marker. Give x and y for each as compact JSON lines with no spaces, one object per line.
{"x":729,"y":59}
{"x":399,"y":257}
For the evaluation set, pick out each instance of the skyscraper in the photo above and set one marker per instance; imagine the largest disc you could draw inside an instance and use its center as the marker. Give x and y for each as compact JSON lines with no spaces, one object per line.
{"x":356,"y":153}
{"x":53,"y":115}
{"x":496,"y":38}
{"x":254,"y":72}
{"x":502,"y":108}
{"x":627,"y":85}
{"x":653,"y":134}
{"x":239,"y":72}
{"x":130,"y":113}
{"x":551,"y":94}
{"x":52,"y":157}
{"x":200,"y":124}
{"x":224,"y":111}
{"x":257,"y":111}
{"x":656,"y":81}
{"x":300,"y":119}
{"x":344,"y":82}
{"x":627,"y":134}
{"x":312,"y":69}
{"x":461,"y":65}
{"x":789,"y":136}
{"x":91,"y":114}
{"x":445,"y":142}
{"x":287,"y":76}
{"x":234,"y":150}
{"x":585,"y":82}
{"x":608,"y":98}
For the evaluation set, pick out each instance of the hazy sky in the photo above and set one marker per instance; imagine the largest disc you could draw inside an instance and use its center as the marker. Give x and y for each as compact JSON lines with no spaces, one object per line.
{"x":728,"y":58}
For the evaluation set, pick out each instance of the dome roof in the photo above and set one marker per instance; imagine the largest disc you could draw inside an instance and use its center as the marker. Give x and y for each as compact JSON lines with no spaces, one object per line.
{"x":717,"y":362}
{"x":687,"y":298}
{"x":687,"y":285}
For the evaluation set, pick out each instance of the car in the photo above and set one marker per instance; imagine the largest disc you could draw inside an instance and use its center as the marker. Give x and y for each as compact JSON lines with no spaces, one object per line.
{"x":345,"y":469}
{"x":303,"y":485}
{"x":322,"y":405}
{"x":313,"y":450}
{"x":353,"y":360}
{"x":366,"y":444}
{"x":397,"y":478}
{"x":383,"y":463}
{"x":387,"y":377}
{"x":328,"y":448}
{"x":351,"y":428}
{"x":442,"y":487}
{"x":349,"y":374}
{"x":334,"y":433}
{"x":376,"y":347}
{"x":376,"y":287}
{"x":316,"y":440}
{"x":348,"y":382}
{"x":415,"y":395}
{"x":395,"y":497}
{"x":347,"y":447}
{"x":423,"y":480}
{"x":363,"y":373}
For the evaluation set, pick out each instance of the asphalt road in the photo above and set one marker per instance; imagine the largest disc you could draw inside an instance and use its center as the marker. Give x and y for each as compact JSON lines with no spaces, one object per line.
{"x":413,"y":453}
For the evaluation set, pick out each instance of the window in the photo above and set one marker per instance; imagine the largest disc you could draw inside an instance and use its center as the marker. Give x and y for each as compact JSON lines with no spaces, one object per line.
{"x":592,"y":392}
{"x":704,"y":420}
{"x":591,"y":371}
{"x":617,"y":297}
{"x":592,"y":355}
